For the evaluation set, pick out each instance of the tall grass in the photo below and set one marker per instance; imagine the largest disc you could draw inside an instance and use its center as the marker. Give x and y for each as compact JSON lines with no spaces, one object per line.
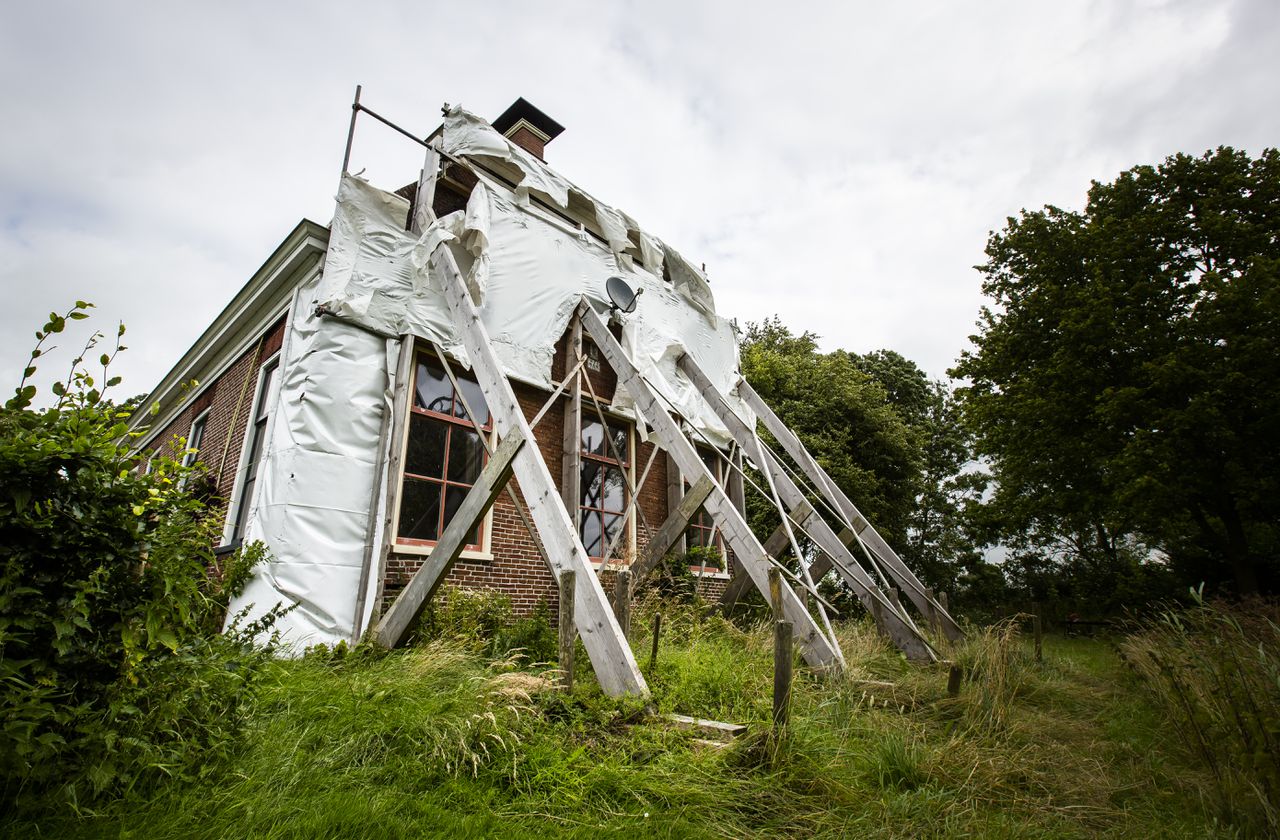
{"x":1215,"y":670}
{"x":446,"y":740}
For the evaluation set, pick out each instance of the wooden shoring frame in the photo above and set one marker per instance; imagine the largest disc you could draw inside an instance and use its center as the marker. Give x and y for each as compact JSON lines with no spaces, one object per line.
{"x":818,"y":650}
{"x":611,"y":657}
{"x":907,"y":638}
{"x":857,"y":523}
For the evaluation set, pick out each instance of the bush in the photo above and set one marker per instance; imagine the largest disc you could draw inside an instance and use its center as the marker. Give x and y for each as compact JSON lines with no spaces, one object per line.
{"x":111,"y":668}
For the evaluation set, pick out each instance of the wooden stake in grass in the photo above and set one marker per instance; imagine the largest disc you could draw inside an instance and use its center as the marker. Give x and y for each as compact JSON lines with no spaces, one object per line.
{"x":1038,"y":630}
{"x":653,"y":652}
{"x":782,"y":660}
{"x":953,"y":680}
{"x":775,"y":592}
{"x":567,"y":631}
{"x":622,"y":601}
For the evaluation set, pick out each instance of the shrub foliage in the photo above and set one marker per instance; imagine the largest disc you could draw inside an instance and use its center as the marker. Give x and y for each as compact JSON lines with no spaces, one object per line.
{"x":111,"y":666}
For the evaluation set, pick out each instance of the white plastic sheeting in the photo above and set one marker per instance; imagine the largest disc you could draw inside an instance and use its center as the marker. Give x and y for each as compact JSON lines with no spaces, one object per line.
{"x":527,"y":270}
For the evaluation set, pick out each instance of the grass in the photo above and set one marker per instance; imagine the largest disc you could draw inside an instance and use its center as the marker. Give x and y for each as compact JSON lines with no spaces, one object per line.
{"x":441,"y":740}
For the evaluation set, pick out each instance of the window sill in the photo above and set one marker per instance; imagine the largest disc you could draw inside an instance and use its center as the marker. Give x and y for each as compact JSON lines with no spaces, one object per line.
{"x":469,"y":555}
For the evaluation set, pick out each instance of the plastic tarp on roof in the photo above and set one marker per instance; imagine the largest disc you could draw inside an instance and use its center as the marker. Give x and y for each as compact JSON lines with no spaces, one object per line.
{"x":527,"y":269}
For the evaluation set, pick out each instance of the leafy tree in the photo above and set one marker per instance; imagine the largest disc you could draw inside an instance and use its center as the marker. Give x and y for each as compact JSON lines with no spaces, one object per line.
{"x":1126,"y":381}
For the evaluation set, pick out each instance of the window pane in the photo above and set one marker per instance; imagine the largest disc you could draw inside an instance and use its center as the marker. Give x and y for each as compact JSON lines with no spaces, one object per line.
{"x":466,"y":455}
{"x":419,"y":510}
{"x":453,"y":497}
{"x":591,"y":475}
{"x":591,"y":533}
{"x":612,"y":525}
{"x":270,"y":388}
{"x":619,"y":435}
{"x":433,"y":391}
{"x":424,"y":454}
{"x":615,"y":492}
{"x":475,"y":399}
{"x":593,"y":437}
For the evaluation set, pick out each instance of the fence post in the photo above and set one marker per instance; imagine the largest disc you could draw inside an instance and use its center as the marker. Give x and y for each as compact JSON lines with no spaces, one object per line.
{"x":622,"y":600}
{"x":653,"y":652}
{"x":1038,"y":629}
{"x":567,"y":631}
{"x":782,"y":660}
{"x":953,"y":680}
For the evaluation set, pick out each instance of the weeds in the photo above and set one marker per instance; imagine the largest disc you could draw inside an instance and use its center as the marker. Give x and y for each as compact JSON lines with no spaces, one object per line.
{"x":1215,"y":670}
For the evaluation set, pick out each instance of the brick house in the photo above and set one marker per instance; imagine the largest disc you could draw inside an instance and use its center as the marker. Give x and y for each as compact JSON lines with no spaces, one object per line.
{"x":425,"y":458}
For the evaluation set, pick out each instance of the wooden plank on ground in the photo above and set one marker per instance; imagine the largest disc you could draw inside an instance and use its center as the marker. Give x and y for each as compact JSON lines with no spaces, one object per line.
{"x":817,"y":649}
{"x":493,"y":478}
{"x":614,"y":664}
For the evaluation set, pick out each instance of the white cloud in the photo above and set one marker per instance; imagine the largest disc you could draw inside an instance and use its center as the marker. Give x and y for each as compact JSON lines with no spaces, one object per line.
{"x":837,"y":164}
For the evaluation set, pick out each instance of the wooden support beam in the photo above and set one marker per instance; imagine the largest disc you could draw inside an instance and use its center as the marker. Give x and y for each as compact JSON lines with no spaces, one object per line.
{"x":493,"y":478}
{"x":774,"y":546}
{"x":571,"y":451}
{"x":893,"y":564}
{"x":782,"y":663}
{"x":614,"y":664}
{"x":399,"y":423}
{"x":903,"y":634}
{"x":675,"y":492}
{"x":817,"y":649}
{"x":671,"y":532}
{"x":566,"y":635}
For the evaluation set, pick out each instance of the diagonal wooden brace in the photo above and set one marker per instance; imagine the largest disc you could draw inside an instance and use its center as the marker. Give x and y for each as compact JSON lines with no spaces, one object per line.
{"x":409,"y":603}
{"x":611,"y":657}
{"x":893,"y":565}
{"x":908,"y":640}
{"x":747,"y":550}
{"x":667,"y":535}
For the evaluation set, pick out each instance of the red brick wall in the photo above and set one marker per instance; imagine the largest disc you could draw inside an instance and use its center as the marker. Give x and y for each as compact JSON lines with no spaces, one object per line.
{"x":228,"y":415}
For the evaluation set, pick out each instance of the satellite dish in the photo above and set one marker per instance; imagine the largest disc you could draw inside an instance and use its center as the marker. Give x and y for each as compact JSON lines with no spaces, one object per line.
{"x":621,"y":297}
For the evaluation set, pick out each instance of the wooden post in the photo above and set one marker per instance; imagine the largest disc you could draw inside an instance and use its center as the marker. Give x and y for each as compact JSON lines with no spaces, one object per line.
{"x":568,"y":635}
{"x":670,"y":535}
{"x":675,"y":494}
{"x":1038,"y":630}
{"x":775,"y":592}
{"x":954,"y":677}
{"x":622,"y":600}
{"x":571,"y":448}
{"x":896,"y":598}
{"x":781,"y":674}
{"x":942,"y":599}
{"x":653,"y":651}
{"x":877,"y":615}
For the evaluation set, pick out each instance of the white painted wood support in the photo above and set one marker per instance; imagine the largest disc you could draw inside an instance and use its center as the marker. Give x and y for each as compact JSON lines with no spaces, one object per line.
{"x":893,"y":564}
{"x":816,"y":648}
{"x":908,"y":640}
{"x":492,"y":479}
{"x":607,"y":647}
{"x":395,"y":451}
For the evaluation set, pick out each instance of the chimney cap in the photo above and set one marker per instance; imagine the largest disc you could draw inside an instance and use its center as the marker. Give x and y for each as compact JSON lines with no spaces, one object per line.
{"x":522,"y":109}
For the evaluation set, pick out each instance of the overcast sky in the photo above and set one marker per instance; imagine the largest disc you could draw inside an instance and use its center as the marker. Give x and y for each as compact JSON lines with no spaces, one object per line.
{"x":839,"y":165}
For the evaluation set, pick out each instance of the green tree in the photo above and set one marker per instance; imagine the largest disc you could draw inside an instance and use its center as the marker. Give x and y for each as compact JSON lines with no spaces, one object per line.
{"x":1125,"y":381}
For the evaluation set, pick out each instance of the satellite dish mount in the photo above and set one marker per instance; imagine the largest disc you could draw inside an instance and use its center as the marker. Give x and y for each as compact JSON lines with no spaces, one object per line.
{"x":621,"y":297}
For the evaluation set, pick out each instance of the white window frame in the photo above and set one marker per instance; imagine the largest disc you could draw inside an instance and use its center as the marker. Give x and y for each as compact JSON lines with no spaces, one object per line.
{"x":482,"y":555}
{"x":246,"y":444}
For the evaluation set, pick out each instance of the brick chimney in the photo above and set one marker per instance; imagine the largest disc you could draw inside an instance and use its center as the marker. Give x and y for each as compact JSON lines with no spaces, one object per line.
{"x":527,"y":127}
